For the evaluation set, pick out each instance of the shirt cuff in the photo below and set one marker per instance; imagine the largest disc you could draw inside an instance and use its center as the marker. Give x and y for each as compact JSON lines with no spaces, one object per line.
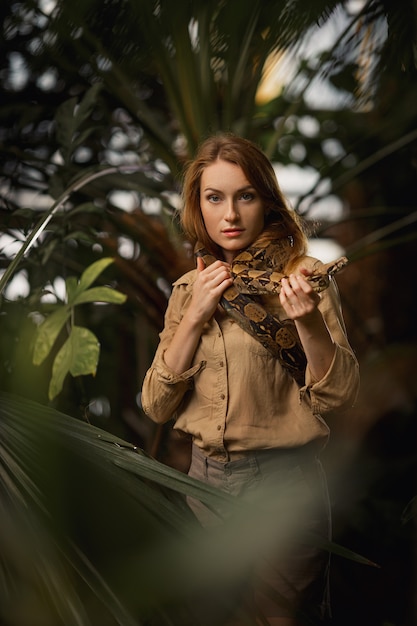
{"x":339,"y":386}
{"x":310,"y":380}
{"x":168,"y":376}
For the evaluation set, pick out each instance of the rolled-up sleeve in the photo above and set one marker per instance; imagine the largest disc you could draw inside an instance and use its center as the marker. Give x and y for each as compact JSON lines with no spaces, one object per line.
{"x":164,"y":389}
{"x":338,"y":389}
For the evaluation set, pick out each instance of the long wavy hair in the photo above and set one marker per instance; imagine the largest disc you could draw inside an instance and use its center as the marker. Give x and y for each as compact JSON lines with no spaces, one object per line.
{"x":280,"y":220}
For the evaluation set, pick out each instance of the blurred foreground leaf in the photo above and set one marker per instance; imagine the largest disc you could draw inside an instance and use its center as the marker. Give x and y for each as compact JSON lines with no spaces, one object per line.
{"x":94,"y":531}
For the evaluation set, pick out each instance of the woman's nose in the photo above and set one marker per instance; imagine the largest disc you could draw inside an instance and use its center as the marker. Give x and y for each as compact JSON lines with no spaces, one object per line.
{"x":231,"y":211}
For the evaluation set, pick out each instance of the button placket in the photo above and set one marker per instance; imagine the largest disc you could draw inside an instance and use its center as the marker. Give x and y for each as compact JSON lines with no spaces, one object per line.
{"x":221,"y":389}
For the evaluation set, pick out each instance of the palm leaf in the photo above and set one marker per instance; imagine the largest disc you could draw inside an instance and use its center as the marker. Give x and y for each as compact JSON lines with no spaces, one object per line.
{"x":94,"y":528}
{"x":71,"y":511}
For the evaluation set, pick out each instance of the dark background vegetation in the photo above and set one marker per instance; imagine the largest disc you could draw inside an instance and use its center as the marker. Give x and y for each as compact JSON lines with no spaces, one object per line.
{"x":137,"y":84}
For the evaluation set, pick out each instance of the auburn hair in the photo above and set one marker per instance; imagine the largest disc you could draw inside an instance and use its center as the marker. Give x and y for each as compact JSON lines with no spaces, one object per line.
{"x":280,"y":220}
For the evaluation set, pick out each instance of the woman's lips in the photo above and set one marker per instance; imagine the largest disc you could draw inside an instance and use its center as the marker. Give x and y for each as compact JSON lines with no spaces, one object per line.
{"x":232,"y":232}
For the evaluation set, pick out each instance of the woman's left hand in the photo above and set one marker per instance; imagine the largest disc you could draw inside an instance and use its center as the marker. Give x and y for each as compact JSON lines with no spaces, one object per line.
{"x":300,"y":302}
{"x":297,"y":296}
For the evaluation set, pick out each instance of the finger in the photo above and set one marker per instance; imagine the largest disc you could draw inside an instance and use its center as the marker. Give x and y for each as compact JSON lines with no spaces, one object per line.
{"x":299,"y":287}
{"x":292,"y":291}
{"x":200,"y":264}
{"x":286,"y":288}
{"x":303,"y":295}
{"x":300,"y":284}
{"x":285,"y":293}
{"x":307,"y":291}
{"x":220,"y":270}
{"x":223,"y":277}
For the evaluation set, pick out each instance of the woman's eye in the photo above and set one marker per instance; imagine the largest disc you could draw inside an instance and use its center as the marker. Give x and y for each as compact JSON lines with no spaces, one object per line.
{"x":213,"y":198}
{"x":247,"y":196}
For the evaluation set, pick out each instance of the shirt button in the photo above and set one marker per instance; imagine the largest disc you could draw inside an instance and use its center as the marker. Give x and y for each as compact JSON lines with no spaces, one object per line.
{"x":222,"y":396}
{"x":219,"y":427}
{"x":221,"y":363}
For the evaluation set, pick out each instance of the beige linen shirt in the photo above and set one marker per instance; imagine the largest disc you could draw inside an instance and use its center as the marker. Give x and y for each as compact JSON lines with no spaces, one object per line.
{"x":236,"y":396}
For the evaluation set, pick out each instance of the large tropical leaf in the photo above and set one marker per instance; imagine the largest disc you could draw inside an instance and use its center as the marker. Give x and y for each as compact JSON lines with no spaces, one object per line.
{"x":72,"y":515}
{"x":95,"y":531}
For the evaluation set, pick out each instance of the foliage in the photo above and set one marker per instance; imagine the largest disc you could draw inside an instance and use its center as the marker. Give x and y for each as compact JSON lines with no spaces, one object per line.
{"x":80,"y":352}
{"x":95,"y":531}
{"x":151,"y":79}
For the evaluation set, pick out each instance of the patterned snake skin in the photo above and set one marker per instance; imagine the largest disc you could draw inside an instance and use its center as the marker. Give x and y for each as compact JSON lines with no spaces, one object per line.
{"x":256,"y":272}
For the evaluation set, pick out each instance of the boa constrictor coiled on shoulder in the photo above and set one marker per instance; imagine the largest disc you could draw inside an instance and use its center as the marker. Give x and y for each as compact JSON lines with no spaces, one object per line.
{"x":257,"y":271}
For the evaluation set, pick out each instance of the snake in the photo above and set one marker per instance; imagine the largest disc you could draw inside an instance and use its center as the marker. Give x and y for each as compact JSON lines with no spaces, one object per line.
{"x":256,"y":272}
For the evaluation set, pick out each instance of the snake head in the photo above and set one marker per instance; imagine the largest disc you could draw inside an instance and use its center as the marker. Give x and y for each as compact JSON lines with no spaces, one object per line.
{"x":321,"y":280}
{"x":336,"y":266}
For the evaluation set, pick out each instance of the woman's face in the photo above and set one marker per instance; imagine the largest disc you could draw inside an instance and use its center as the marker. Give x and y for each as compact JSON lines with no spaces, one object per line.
{"x":232,"y":210}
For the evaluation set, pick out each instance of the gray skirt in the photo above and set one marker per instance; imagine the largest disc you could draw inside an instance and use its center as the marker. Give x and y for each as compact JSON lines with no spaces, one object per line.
{"x":286,"y":491}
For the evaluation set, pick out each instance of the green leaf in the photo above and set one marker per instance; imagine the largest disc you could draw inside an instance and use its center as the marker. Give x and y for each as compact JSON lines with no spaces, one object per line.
{"x":78,"y":356}
{"x":68,"y":119}
{"x":47,"y":333}
{"x":82,"y":236}
{"x":71,"y":285}
{"x":60,"y":369}
{"x":410,"y":511}
{"x":65,"y":127}
{"x":92,"y":272}
{"x":81,"y":137}
{"x":87,"y":104}
{"x":85,"y":207}
{"x":100,"y":294}
{"x":85,"y":351}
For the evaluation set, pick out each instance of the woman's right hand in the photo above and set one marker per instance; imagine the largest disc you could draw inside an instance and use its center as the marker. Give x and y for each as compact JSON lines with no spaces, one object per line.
{"x":210,"y":284}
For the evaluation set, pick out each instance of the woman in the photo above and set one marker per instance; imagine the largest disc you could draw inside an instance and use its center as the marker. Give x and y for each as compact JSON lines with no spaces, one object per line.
{"x":253,"y":424}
